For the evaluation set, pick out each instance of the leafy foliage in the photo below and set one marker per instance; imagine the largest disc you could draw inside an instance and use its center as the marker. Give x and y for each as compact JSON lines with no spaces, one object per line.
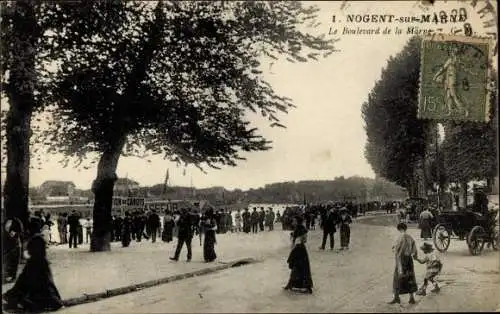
{"x":58,"y":27}
{"x":397,"y":140}
{"x":470,"y":148}
{"x":174,"y":78}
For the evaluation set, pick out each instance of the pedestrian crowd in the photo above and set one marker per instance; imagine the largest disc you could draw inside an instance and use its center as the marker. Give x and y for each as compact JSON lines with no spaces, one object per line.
{"x":187,"y":223}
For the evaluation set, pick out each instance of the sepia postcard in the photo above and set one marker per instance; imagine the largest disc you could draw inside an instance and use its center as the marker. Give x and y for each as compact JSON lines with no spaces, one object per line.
{"x":249,"y":156}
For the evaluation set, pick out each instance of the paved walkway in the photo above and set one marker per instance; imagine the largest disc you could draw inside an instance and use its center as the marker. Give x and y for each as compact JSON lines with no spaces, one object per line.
{"x":351,"y":281}
{"x":358,"y":280}
{"x":78,"y":272}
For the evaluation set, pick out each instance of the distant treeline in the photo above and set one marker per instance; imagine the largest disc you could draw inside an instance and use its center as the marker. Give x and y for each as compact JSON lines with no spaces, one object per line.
{"x":357,"y":189}
{"x":353,"y":188}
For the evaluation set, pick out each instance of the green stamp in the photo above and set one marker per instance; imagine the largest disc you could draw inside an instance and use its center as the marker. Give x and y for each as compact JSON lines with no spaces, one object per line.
{"x":454,"y":78}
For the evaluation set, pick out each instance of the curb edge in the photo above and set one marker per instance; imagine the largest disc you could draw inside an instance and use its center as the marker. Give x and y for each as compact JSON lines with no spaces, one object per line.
{"x":108,"y":293}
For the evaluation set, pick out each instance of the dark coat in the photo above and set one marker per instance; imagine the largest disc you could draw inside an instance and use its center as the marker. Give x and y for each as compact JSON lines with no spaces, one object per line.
{"x":246,"y":217}
{"x":185,"y":226}
{"x":154,"y":221}
{"x":298,"y":262}
{"x":328,"y":224}
{"x":73,"y":222}
{"x":255,"y":217}
{"x":35,"y":290}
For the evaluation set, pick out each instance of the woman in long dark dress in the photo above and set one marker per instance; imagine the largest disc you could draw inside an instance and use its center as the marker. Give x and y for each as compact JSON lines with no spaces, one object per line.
{"x":168,"y":227}
{"x":34,"y":290}
{"x":404,"y":281}
{"x":345,"y":231}
{"x":298,"y":260}
{"x":209,"y":229}
{"x":126,"y":229}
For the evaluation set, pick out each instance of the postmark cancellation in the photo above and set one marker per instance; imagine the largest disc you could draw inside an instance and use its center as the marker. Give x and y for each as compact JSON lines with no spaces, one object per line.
{"x":455,"y":78}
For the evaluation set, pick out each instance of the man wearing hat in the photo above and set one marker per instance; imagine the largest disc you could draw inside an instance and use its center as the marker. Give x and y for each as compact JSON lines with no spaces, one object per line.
{"x":328,"y":226}
{"x":433,"y":265}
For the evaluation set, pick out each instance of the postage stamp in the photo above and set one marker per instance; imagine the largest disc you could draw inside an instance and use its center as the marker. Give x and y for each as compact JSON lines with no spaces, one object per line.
{"x":455,"y":78}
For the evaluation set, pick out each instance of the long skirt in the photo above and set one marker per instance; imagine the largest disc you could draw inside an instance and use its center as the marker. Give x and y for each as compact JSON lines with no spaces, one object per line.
{"x":126,"y":238}
{"x":168,"y":231}
{"x":11,"y":258}
{"x":406,"y":282}
{"x":425,"y":229}
{"x":34,"y":290}
{"x":345,"y":235}
{"x":209,"y":246}
{"x":298,"y":262}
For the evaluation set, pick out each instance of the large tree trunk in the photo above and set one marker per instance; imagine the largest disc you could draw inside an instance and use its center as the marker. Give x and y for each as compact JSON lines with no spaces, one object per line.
{"x":20,"y":91}
{"x":102,"y":188}
{"x":16,"y":189}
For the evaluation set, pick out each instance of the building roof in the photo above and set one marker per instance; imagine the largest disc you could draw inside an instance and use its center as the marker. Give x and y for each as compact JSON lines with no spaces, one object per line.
{"x":125,"y":181}
{"x":52,"y":183}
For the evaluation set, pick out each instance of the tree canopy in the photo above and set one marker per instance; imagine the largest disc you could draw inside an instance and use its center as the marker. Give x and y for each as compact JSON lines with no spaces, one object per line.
{"x":399,"y":143}
{"x":470,"y":148}
{"x":30,"y":45}
{"x":397,"y":140}
{"x":177,"y":78}
{"x":172,"y":78}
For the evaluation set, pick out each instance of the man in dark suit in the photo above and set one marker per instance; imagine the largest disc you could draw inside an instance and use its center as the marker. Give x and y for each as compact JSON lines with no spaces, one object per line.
{"x":153,"y":224}
{"x":184,"y":234}
{"x":74,"y":223}
{"x":328,"y":226}
{"x":247,"y":221}
{"x":255,"y":220}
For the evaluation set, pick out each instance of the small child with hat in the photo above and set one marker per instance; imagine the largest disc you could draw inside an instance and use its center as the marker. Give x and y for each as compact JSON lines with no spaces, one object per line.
{"x":433,"y":265}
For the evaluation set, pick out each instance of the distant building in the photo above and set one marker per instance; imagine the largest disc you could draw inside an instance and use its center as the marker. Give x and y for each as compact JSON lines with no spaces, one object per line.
{"x":125,"y":186}
{"x":57,"y":189}
{"x":58,"y":199}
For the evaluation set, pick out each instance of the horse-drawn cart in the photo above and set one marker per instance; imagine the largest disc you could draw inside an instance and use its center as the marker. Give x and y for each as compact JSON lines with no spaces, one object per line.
{"x":475,"y":228}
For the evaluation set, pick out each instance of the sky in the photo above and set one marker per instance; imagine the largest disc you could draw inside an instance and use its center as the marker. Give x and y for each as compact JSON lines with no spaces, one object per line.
{"x":324,"y":137}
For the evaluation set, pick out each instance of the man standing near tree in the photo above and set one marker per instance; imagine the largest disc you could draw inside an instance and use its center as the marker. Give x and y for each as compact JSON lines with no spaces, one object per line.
{"x":74,"y":223}
{"x":153,"y":224}
{"x":184,"y":234}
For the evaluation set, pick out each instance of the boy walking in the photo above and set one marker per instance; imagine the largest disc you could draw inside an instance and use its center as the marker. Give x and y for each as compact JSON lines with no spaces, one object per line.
{"x":433,"y":265}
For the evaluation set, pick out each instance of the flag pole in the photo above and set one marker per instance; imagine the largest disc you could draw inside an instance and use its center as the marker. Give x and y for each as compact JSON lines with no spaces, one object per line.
{"x":165,"y":183}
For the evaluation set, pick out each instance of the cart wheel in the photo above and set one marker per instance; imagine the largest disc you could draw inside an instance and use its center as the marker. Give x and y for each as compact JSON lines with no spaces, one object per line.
{"x":475,"y":240}
{"x":441,"y":237}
